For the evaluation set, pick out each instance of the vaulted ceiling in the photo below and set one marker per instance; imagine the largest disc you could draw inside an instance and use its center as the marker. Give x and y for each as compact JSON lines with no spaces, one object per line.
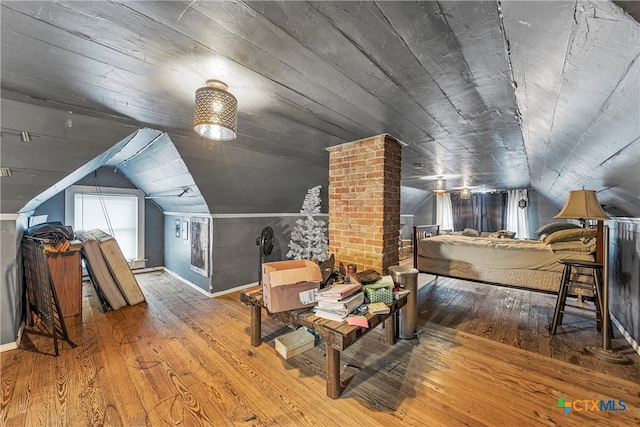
{"x":494,"y":95}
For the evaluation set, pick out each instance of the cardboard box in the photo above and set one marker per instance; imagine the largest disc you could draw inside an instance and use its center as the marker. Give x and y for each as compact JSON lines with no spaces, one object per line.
{"x":295,"y":342}
{"x":282,"y":282}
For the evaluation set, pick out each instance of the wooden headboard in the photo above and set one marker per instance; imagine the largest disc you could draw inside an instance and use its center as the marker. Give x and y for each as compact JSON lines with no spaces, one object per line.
{"x":422,"y":232}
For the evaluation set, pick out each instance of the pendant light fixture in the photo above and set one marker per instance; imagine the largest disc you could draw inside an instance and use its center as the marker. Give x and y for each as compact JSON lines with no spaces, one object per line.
{"x":465,"y":193}
{"x":441,"y":185}
{"x":216,"y":112}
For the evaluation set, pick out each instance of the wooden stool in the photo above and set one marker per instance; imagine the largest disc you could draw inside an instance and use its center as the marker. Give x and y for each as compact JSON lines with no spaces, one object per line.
{"x":571,"y":267}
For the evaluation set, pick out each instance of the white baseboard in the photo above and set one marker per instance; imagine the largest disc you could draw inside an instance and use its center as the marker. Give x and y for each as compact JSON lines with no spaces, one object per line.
{"x":8,"y":346}
{"x":237,"y":288}
{"x":186,"y":282}
{"x":194,"y":286}
{"x":626,"y":335}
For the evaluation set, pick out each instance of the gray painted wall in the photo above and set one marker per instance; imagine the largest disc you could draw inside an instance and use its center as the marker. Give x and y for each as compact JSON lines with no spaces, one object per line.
{"x":177,"y":252}
{"x":541,"y":211}
{"x":11,"y":270}
{"x":235,"y":255}
{"x":10,"y":302}
{"x":624,"y":274}
{"x":425,"y":214}
{"x":54,"y":208}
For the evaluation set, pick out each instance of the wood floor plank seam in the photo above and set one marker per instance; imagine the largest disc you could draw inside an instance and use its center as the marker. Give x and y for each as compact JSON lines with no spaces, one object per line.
{"x":183,"y":358}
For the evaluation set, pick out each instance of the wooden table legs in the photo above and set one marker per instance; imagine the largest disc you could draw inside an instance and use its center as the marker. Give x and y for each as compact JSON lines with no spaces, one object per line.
{"x":335,"y":341}
{"x":334,"y":388}
{"x":256,"y":325}
{"x":333,"y":371}
{"x":390,"y":330}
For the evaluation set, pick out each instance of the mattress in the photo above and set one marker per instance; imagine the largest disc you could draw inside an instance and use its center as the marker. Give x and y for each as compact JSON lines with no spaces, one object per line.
{"x":99,"y":271}
{"x":505,"y":254}
{"x":119,"y":267}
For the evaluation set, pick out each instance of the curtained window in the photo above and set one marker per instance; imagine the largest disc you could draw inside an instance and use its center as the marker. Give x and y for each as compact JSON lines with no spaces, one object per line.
{"x":517,"y":217}
{"x":444,"y":215}
{"x":117,"y":211}
{"x":482,"y":212}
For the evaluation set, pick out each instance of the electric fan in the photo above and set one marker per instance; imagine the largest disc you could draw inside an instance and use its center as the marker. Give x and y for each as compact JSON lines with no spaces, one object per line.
{"x":265,"y":246}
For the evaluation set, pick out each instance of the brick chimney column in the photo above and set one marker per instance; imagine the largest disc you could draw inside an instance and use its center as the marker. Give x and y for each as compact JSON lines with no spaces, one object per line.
{"x":364,"y":202}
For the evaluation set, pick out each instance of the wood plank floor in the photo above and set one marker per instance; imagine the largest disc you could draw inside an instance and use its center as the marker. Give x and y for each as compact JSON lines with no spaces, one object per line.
{"x":482,"y":358}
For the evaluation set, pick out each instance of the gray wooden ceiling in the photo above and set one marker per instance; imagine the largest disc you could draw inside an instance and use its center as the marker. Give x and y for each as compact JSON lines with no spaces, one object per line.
{"x":495,"y":94}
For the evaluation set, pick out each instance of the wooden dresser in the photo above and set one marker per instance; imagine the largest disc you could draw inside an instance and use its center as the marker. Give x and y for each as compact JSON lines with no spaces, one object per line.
{"x":66,"y":273}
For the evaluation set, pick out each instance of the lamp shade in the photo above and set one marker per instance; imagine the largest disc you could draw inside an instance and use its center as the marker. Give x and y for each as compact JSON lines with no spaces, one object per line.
{"x":582,"y":204}
{"x":441,"y":186}
{"x":216,"y":112}
{"x":465,"y":193}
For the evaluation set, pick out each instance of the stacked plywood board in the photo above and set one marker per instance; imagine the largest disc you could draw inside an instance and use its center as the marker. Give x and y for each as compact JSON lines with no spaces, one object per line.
{"x":109,"y":270}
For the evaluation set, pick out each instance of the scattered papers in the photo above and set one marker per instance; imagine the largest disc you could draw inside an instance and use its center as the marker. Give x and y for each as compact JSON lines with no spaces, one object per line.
{"x":355,"y":320}
{"x":308,"y":297}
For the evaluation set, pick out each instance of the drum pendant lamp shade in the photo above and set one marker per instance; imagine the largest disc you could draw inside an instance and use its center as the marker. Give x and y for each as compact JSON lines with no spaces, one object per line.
{"x":216,"y":112}
{"x":583,"y":205}
{"x":465,"y":193}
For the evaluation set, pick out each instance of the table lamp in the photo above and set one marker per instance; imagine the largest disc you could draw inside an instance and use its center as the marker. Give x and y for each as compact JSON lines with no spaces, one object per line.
{"x":583,"y":205}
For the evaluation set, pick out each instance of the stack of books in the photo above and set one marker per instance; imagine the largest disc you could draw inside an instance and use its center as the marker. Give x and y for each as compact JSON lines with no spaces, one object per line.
{"x":336,"y":302}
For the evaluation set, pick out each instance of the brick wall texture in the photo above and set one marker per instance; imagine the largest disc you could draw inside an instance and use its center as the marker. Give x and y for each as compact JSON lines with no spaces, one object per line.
{"x":364,"y":202}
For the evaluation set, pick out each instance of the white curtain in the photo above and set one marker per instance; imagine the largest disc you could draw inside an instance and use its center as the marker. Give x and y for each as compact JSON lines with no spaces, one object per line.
{"x":444,"y":213}
{"x":517,"y":217}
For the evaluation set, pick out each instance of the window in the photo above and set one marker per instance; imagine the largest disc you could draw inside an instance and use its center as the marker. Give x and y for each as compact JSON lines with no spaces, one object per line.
{"x":444,"y":214}
{"x":117,"y":211}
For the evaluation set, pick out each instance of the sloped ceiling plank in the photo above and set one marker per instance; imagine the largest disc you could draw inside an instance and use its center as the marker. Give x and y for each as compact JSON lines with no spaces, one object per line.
{"x":491,"y":110}
{"x":567,"y":88}
{"x":478,"y":29}
{"x":538,"y":36}
{"x":593,"y":71}
{"x":236,"y":180}
{"x":235,"y":31}
{"x":120,"y":98}
{"x":143,"y":141}
{"x":101,"y":73}
{"x":54,"y":151}
{"x":621,"y":178}
{"x":348,"y":36}
{"x":462,"y":49}
{"x":152,"y":163}
{"x":154,"y":167}
{"x":432,"y":43}
{"x":63,"y":181}
{"x":140,"y":63}
{"x":605,"y":137}
{"x":369,"y":29}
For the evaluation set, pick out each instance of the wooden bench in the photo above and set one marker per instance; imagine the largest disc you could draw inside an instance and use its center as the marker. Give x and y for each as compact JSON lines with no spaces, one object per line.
{"x":337,"y":336}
